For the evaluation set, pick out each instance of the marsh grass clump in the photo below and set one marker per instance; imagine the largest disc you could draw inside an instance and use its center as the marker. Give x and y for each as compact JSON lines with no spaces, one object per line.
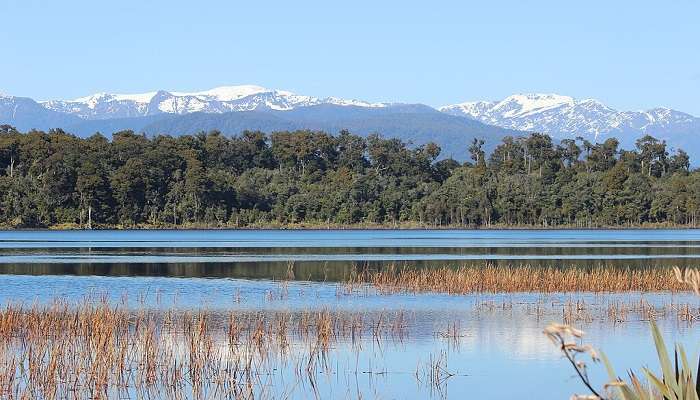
{"x":511,"y":279}
{"x":100,"y":350}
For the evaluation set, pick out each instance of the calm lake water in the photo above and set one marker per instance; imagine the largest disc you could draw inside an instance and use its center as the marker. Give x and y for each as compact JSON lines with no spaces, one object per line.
{"x":330,"y":254}
{"x":499,"y":353}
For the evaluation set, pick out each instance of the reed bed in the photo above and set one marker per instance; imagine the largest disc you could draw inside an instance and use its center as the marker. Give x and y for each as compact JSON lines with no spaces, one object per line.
{"x":100,"y":350}
{"x":105,"y":351}
{"x":505,"y":279}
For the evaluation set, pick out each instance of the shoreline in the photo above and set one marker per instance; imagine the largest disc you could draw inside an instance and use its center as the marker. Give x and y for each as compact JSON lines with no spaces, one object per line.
{"x":353,"y":227}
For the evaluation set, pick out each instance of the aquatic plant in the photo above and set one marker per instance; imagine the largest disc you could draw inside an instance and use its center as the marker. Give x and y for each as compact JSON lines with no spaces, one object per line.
{"x":677,"y":381}
{"x":100,"y":350}
{"x":509,"y":279}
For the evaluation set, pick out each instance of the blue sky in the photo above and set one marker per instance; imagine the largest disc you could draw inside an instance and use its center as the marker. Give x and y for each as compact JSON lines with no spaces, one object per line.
{"x":629,"y":54}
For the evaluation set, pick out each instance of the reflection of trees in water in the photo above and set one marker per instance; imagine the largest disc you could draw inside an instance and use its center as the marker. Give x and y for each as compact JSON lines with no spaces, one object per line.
{"x":568,"y":249}
{"x":319,"y":270}
{"x":331,"y":271}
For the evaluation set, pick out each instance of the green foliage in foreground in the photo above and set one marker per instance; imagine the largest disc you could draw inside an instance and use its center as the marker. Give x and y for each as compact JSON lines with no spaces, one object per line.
{"x":677,"y":381}
{"x":286,"y":178}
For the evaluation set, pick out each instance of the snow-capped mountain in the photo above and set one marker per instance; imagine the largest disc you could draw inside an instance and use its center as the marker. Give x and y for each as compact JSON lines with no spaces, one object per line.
{"x":232,"y":109}
{"x":217,"y":100}
{"x":557,"y":115}
{"x":564,"y":116}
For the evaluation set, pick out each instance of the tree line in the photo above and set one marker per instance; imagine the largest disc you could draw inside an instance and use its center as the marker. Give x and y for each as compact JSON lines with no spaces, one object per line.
{"x":305,"y":177}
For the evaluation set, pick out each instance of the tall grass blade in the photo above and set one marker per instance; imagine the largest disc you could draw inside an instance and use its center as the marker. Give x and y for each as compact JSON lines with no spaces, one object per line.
{"x":662,"y":387}
{"x":666,"y":369}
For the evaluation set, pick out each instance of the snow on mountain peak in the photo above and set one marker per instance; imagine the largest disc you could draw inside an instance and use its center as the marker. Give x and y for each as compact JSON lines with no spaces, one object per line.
{"x":352,"y":102}
{"x":468,"y":108}
{"x":513,"y":106}
{"x":93,"y":100}
{"x":227,"y":93}
{"x":558,"y":115}
{"x":563,"y":116}
{"x":524,"y":104}
{"x":217,"y":100}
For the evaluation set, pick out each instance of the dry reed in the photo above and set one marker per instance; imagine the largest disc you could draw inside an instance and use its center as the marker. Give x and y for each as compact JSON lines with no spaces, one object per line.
{"x":499,"y":279}
{"x":105,"y":351}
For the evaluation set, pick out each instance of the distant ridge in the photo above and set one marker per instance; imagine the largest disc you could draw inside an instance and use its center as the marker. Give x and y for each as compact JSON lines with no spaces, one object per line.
{"x":564,"y":116}
{"x":232,"y":109}
{"x":417,"y":124}
{"x":218,"y":100}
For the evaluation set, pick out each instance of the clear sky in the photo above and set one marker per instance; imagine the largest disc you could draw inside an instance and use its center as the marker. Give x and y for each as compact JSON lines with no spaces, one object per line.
{"x":628,"y":54}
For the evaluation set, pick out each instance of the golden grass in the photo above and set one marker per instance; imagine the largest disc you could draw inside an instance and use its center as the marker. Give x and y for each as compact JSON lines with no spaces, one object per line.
{"x":104,"y":351}
{"x":99,"y":350}
{"x":505,"y":279}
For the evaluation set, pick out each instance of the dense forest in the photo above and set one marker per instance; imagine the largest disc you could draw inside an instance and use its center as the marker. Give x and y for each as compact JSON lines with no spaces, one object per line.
{"x":316,"y":179}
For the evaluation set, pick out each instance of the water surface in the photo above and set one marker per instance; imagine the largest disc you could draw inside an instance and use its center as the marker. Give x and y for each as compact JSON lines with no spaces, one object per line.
{"x":331,"y":254}
{"x":500,"y":353}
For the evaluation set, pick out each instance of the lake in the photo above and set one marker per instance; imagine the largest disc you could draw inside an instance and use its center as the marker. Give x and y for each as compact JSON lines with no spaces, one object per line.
{"x":496,"y":348}
{"x":329,"y":254}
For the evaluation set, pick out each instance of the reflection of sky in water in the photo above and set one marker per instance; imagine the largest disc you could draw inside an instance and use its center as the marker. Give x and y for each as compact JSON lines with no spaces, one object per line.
{"x":152,"y":259}
{"x":336,"y":238}
{"x":502,"y":352}
{"x":85,"y":251}
{"x":265,"y":294}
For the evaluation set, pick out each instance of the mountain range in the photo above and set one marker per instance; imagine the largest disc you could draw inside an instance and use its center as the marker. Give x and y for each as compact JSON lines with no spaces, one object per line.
{"x":218,"y":100}
{"x":564,"y":116}
{"x":232,"y":109}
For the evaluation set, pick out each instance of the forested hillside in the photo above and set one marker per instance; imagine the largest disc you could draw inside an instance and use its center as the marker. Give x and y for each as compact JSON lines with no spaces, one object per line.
{"x":287,"y":178}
